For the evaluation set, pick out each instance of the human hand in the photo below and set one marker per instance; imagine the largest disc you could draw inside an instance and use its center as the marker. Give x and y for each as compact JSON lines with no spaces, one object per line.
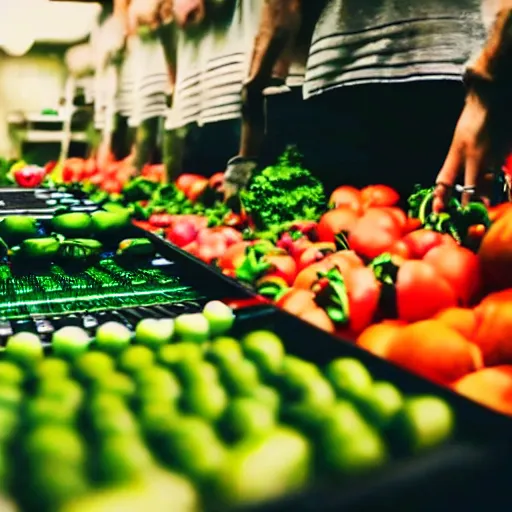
{"x":144,"y":13}
{"x":238,"y":173}
{"x":481,"y":140}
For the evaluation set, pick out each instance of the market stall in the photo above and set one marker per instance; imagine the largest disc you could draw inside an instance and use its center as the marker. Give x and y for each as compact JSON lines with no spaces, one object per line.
{"x":162,"y":348}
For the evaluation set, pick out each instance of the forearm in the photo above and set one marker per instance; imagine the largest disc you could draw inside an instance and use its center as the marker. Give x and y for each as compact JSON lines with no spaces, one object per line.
{"x":494,"y":62}
{"x":279,"y":26}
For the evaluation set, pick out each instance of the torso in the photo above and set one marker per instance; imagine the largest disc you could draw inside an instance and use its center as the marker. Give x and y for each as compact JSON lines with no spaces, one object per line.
{"x":357,"y":42}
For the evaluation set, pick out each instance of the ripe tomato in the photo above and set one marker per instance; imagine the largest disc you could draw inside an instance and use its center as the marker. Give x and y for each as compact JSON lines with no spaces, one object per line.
{"x":421,"y":241}
{"x":283,"y":266}
{"x":216,"y":181}
{"x":421,"y":292}
{"x":307,"y":277}
{"x":363,"y":296}
{"x":400,"y":248}
{"x":319,"y":318}
{"x":315,"y":252}
{"x":212,"y":248}
{"x":197,"y":189}
{"x":397,"y":214}
{"x":495,"y":254}
{"x":234,"y":256}
{"x":334,"y":222}
{"x":379,"y":195}
{"x":346,"y":257}
{"x":346,"y":196}
{"x":185,"y":181}
{"x":496,"y":212}
{"x":297,"y":301}
{"x":182,"y":233}
{"x":369,"y":241}
{"x":390,"y":219}
{"x":231,"y":235}
{"x":460,"y":267}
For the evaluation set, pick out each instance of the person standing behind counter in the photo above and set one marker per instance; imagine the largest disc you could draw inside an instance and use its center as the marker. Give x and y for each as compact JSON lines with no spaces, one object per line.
{"x":212,"y":53}
{"x":383,"y":89}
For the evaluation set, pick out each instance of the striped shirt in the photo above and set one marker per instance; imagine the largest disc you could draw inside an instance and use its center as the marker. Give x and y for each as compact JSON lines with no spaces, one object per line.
{"x":212,"y":67}
{"x":126,"y":83}
{"x":365,"y":41}
{"x":151,"y":81}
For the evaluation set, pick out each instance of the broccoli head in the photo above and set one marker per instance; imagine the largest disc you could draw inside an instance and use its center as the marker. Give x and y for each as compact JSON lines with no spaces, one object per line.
{"x":284,"y":192}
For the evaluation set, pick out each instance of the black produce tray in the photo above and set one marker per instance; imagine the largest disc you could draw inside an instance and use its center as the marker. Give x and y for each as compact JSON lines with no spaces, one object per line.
{"x":472,"y":470}
{"x":41,"y":202}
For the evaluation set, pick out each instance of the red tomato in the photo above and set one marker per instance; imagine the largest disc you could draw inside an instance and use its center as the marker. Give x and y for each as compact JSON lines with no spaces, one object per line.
{"x":216,"y":181}
{"x":421,"y":292}
{"x":297,"y":301}
{"x":460,"y":267}
{"x":185,"y":181}
{"x":334,"y":222}
{"x":234,"y":256}
{"x":320,"y":319}
{"x":398,"y":215}
{"x":283,"y":266}
{"x":182,"y":233}
{"x":345,"y":257}
{"x":192,"y":248}
{"x":385,"y":218}
{"x":379,"y":195}
{"x":112,"y":186}
{"x":197,"y":189}
{"x":89,"y":168}
{"x":161,"y":220}
{"x":421,"y":241}
{"x":231,"y":235}
{"x":213,"y":248}
{"x":198,"y":221}
{"x":363,"y":295}
{"x":294,"y":248}
{"x":411,"y":225}
{"x":307,"y":277}
{"x":316,"y":252}
{"x":346,"y":196}
{"x":370,"y":241}
{"x":495,"y":212}
{"x":400,"y":248}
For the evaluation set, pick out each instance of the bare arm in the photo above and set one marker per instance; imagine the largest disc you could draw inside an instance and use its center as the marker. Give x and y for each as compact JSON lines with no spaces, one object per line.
{"x":483,"y":135}
{"x":494,"y":63}
{"x":279,"y":26}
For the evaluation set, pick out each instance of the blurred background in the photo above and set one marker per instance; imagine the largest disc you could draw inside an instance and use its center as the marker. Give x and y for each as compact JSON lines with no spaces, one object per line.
{"x":34,"y":36}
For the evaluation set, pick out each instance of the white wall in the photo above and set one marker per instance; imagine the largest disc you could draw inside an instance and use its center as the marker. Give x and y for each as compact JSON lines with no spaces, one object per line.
{"x":29,"y":83}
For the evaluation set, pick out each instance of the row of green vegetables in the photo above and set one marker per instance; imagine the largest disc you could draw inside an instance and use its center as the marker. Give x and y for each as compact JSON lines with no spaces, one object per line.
{"x":179,"y":414}
{"x":70,"y":238}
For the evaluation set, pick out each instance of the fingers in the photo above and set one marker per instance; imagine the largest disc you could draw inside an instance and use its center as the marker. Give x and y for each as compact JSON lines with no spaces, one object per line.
{"x":473,"y":168}
{"x":447,"y":177}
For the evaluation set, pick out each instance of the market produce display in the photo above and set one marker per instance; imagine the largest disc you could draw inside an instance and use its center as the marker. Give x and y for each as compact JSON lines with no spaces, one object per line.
{"x":389,"y":274}
{"x":181,"y":414}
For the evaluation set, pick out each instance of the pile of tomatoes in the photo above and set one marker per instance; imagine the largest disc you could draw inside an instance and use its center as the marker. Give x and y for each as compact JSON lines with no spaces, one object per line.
{"x":369,"y":273}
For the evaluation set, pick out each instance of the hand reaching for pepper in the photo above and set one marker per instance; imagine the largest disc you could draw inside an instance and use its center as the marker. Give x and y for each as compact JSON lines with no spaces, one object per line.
{"x":481,"y":140}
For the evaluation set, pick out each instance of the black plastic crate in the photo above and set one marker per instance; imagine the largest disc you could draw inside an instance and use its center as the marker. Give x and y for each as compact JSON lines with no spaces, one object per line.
{"x":475,"y":464}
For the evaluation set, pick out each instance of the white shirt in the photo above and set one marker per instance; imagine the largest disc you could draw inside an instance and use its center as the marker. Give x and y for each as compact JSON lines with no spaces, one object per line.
{"x":212,"y":68}
{"x":151,"y":80}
